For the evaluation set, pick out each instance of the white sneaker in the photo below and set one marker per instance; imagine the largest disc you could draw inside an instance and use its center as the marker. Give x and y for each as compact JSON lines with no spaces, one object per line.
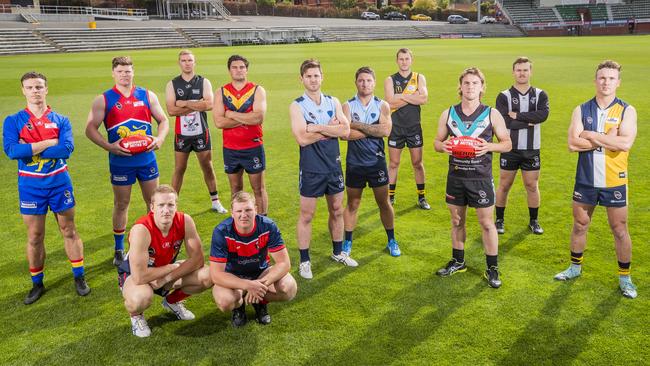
{"x":305,"y":270}
{"x":178,"y":309}
{"x":217,"y":206}
{"x":344,"y":259}
{"x":139,"y":326}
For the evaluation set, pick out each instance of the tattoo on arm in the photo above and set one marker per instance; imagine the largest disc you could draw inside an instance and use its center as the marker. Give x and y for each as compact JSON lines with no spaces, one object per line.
{"x":368,"y":130}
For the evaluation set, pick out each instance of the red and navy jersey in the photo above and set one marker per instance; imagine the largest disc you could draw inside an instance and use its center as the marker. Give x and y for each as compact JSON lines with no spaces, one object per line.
{"x":245,"y":255}
{"x":49,"y":168}
{"x":163,"y":250}
{"x":126,"y":116}
{"x":241,"y":137}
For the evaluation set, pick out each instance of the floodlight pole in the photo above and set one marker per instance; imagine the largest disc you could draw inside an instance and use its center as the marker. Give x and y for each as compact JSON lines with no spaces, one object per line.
{"x":478,"y":11}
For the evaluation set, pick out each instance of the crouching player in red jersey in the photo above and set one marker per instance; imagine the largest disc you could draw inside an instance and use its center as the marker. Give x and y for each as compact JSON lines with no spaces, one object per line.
{"x":41,"y":141}
{"x":239,"y":262}
{"x":150,"y":266}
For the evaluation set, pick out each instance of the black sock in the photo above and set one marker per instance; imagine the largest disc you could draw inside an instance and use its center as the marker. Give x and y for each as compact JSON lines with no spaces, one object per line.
{"x":458,"y":255}
{"x":391,"y":190}
{"x":421,"y":191}
{"x":491,"y":260}
{"x":391,"y":234}
{"x":576,"y":258}
{"x":348,"y":235}
{"x":337,"y":247}
{"x":304,"y":255}
{"x":532,"y":211}
{"x":624,"y":268}
{"x":500,"y":212}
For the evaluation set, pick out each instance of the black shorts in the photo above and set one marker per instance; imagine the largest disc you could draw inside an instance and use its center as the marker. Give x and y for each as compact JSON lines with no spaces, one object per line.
{"x":472,"y":193}
{"x":520,"y":159}
{"x":359,"y":176}
{"x":253,"y":160}
{"x":317,"y":185}
{"x":400,"y":136}
{"x":198,"y":143}
{"x":607,"y":197}
{"x":124,"y":271}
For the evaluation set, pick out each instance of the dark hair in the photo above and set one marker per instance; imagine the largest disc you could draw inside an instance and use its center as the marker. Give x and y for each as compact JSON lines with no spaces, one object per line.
{"x":234,"y":58}
{"x":122,"y":61}
{"x":364,"y":70}
{"x":404,"y":50}
{"x":33,"y":75}
{"x":310,"y":64}
{"x":522,"y":60}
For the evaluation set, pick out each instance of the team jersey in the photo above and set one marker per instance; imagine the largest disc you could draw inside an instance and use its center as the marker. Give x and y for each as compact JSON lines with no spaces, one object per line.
{"x":602,"y":168}
{"x":408,"y":115}
{"x":245,"y":255}
{"x":322,"y":156}
{"x":367,"y":151}
{"x":194,"y":123}
{"x":241,"y":137}
{"x":163,"y":250}
{"x":126,"y":116}
{"x":532,"y":108}
{"x":49,"y":168}
{"x":478,"y":125}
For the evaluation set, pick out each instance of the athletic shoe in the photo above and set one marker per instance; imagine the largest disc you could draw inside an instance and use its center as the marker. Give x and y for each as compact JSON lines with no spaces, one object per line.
{"x":34,"y":294}
{"x":452,"y":267}
{"x":492,"y":276}
{"x":344,"y":259}
{"x":422,"y":202}
{"x":118,"y":258}
{"x":81,"y":286}
{"x":391,"y":199}
{"x":139,"y":326}
{"x":535,"y":228}
{"x":178,"y":309}
{"x":347,"y":246}
{"x":239,"y":316}
{"x":217,"y":206}
{"x":572,"y":272}
{"x":305,"y":270}
{"x":500,"y":226}
{"x":262,"y":314}
{"x":627,"y":287}
{"x":393,"y":248}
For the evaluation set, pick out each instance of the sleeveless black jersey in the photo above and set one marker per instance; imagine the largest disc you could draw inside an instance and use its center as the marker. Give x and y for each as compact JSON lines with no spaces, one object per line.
{"x":194,"y":123}
{"x":478,"y":124}
{"x":409,"y":115}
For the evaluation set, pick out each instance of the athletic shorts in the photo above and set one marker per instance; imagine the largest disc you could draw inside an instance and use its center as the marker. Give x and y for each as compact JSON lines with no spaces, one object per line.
{"x":35,"y":201}
{"x":411,"y":137}
{"x":126,"y":175}
{"x":317,"y":185}
{"x":124,"y":271}
{"x":472,"y":193}
{"x":520,"y":159}
{"x":607,"y":197}
{"x":359,"y":176}
{"x":187,"y":144}
{"x":253,"y":160}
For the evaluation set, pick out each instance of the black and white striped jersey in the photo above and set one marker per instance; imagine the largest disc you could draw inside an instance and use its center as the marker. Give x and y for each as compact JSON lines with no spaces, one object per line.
{"x":532,"y":109}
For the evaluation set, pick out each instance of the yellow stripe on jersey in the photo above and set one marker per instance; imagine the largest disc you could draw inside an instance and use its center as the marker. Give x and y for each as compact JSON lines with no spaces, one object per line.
{"x":238,"y":102}
{"x":615,"y":161}
{"x":411,"y":86}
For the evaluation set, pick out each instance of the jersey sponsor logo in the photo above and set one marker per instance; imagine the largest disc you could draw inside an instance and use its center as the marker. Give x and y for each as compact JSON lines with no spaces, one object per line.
{"x":50,"y":125}
{"x":341,"y":185}
{"x":120,"y":178}
{"x":196,"y":91}
{"x":622,"y":174}
{"x":256,"y":163}
{"x":618,"y":195}
{"x":68,"y":197}
{"x":612,"y":120}
{"x":483,"y":201}
{"x":577,"y":195}
{"x":392,"y":143}
{"x":382,"y":176}
{"x":138,"y":104}
{"x":411,"y":88}
{"x":180,"y":92}
{"x":27,"y":204}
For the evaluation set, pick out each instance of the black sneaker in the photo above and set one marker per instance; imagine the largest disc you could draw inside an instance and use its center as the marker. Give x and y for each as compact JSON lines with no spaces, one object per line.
{"x":535,"y":228}
{"x":501,"y":228}
{"x":81,"y":286}
{"x":34,"y":294}
{"x":423,"y":204}
{"x":262,"y":314}
{"x":239,"y":316}
{"x":452,"y":267}
{"x":118,"y":258}
{"x":492,"y":276}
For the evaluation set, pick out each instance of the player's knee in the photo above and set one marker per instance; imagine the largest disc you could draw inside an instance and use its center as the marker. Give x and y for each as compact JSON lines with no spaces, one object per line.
{"x":36,"y":239}
{"x":336,"y":210}
{"x":138,"y":301}
{"x":486,"y":224}
{"x":619,"y":230}
{"x":306,"y":216}
{"x":288,"y":287}
{"x":204,"y":279}
{"x":580,"y":225}
{"x":531,"y":187}
{"x":353,"y":205}
{"x":393,"y":164}
{"x":417,"y":164}
{"x":180,"y":169}
{"x":226,"y":303}
{"x":121,"y":204}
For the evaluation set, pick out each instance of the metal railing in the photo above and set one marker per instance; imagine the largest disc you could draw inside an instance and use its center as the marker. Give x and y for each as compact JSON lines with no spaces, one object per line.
{"x":77,"y":10}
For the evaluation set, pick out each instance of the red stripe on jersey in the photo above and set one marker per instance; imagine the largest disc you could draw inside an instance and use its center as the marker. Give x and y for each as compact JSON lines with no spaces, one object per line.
{"x":249,"y":249}
{"x":218,"y":260}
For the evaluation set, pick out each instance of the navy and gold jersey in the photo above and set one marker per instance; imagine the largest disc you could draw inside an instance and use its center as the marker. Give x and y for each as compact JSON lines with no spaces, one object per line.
{"x":368,"y":151}
{"x":408,"y":115}
{"x":478,"y":125}
{"x":322,"y":156}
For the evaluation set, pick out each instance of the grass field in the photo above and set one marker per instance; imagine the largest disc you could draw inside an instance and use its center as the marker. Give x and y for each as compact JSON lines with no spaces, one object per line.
{"x":388,"y":310}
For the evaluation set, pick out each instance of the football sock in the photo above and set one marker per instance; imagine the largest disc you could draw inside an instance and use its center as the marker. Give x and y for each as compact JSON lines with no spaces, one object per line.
{"x":576,"y":258}
{"x":77,"y":267}
{"x":420,"y":190}
{"x":177,"y":296}
{"x":37,"y":275}
{"x":458,"y":255}
{"x":532,"y":211}
{"x":491,"y":260}
{"x":348,"y":235}
{"x":337,"y":246}
{"x":304,"y":255}
{"x":500,"y":212}
{"x":214,"y":196}
{"x":118,"y":234}
{"x":391,"y":234}
{"x":623,"y":269}
{"x":391,"y":190}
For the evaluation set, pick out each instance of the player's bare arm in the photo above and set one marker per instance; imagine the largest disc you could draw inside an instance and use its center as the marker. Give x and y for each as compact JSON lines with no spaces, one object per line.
{"x":170,"y":102}
{"x":163,"y":124}
{"x":422,"y":95}
{"x":339,"y":125}
{"x":194,"y":252}
{"x":139,"y":240}
{"x":501,"y":132}
{"x":281,"y":266}
{"x":395,"y":101}
{"x":95,"y":119}
{"x":577,"y":143}
{"x":219,"y":113}
{"x":203,"y":105}
{"x":440,"y":142}
{"x":222,"y":278}
{"x":620,"y":139}
{"x":256,"y":117}
{"x":382,"y":129}
{"x":300,"y":128}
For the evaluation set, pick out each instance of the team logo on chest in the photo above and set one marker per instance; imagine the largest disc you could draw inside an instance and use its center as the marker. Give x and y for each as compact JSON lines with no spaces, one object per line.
{"x":118,"y":105}
{"x":180,"y":92}
{"x":355,"y":117}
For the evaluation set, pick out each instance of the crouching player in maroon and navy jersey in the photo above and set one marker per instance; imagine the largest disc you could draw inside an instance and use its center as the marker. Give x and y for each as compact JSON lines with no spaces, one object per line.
{"x":240,"y":266}
{"x":150,"y":266}
{"x":41,"y":141}
{"x":126,"y":110}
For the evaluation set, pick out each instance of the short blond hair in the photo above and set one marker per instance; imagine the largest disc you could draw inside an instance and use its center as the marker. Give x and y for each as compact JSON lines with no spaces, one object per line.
{"x":242,"y":197}
{"x":185,"y":52}
{"x":164,"y":189}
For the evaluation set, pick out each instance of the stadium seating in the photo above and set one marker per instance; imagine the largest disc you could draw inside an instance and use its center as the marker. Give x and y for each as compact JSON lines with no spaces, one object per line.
{"x":526,"y":11}
{"x":204,"y":37}
{"x":636,"y":8}
{"x":71,"y":40}
{"x":570,"y":12}
{"x":22,"y":41}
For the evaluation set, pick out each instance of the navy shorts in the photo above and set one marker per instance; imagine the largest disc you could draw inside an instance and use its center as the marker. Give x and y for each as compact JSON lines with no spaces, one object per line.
{"x":253,"y":160}
{"x":520,"y":159}
{"x":35,"y":201}
{"x":126,"y":176}
{"x":317,"y":185}
{"x":411,"y":137}
{"x":373,"y":176}
{"x":473,"y":193}
{"x":607,"y":197}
